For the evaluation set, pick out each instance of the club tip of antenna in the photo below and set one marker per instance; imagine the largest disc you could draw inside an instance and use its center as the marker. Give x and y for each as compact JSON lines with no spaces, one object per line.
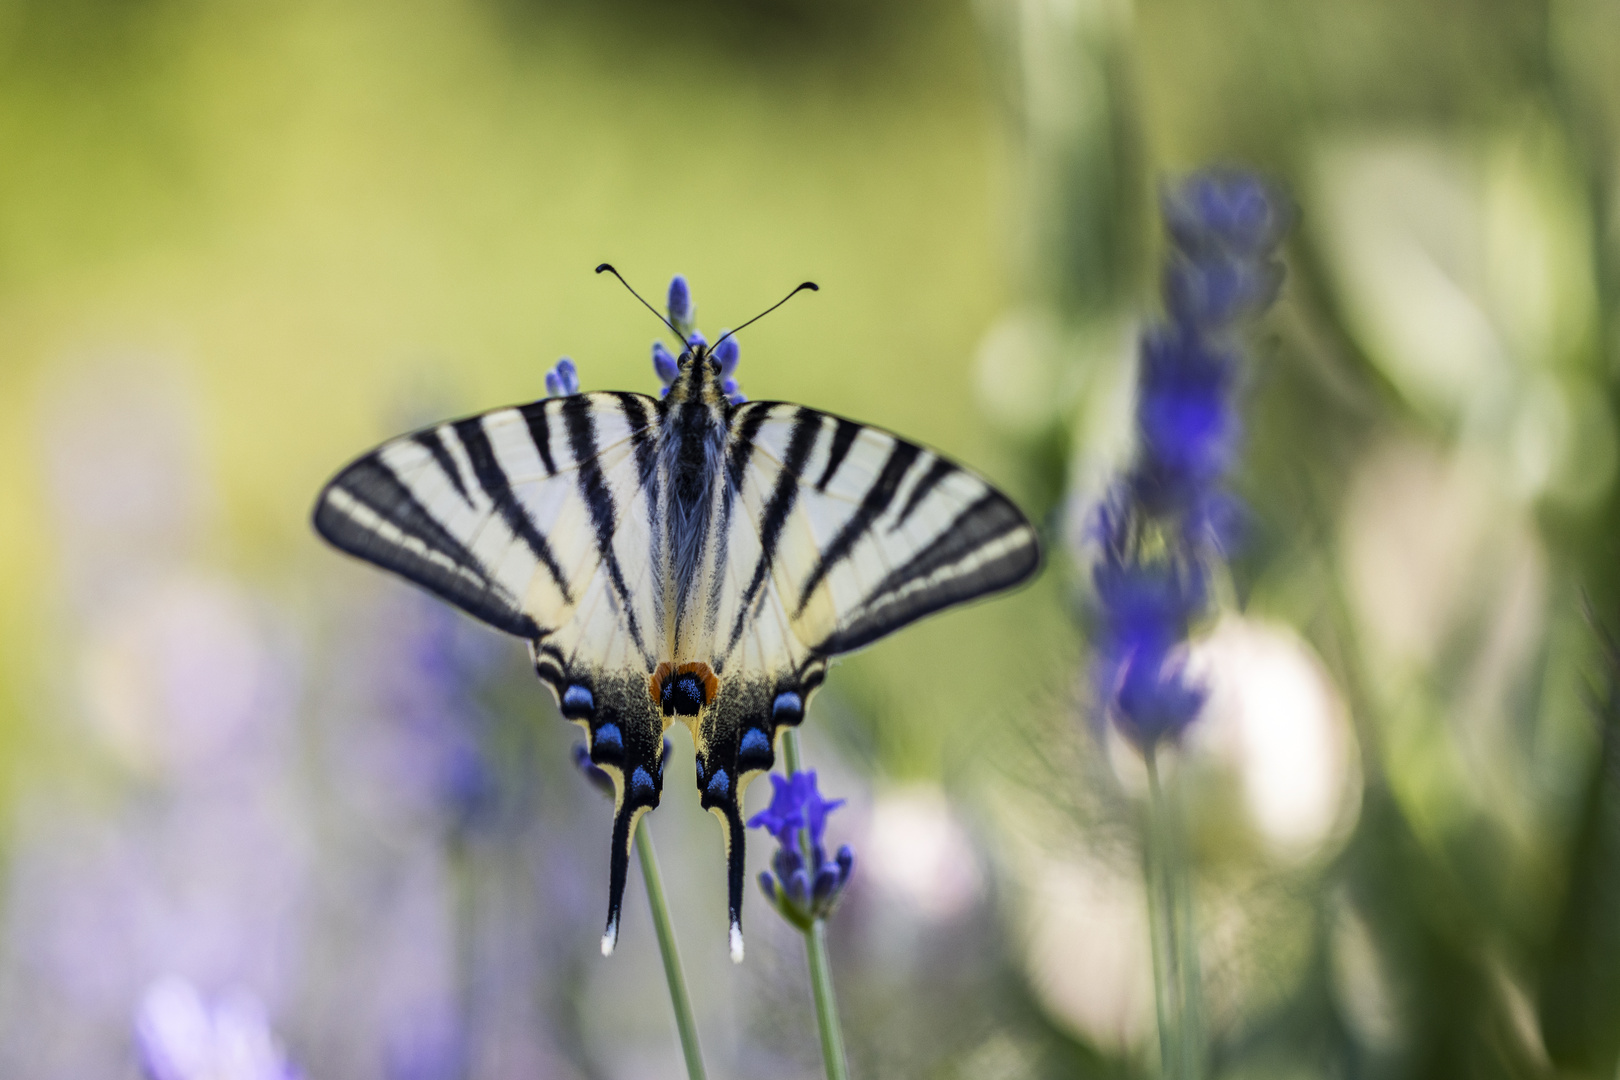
{"x":607,"y":267}
{"x":812,"y":286}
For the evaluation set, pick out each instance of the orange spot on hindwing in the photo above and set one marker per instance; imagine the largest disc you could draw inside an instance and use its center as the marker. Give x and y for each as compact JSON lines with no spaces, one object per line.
{"x":683,"y":689}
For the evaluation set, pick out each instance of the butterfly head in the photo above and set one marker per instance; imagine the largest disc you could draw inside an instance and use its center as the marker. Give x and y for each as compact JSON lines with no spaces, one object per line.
{"x":701,"y":376}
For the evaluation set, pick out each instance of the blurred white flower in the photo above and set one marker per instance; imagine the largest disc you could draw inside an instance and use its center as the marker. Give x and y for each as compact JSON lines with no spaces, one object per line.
{"x":180,"y":1036}
{"x":918,"y":851}
{"x":1088,"y":952}
{"x":1277,"y":721}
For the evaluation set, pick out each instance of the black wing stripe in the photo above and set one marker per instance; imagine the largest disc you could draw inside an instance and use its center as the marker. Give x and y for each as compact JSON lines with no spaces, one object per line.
{"x":806,"y":426}
{"x":593,"y":488}
{"x":641,"y":439}
{"x":431,"y":442}
{"x":742,"y":445}
{"x":843,"y":439}
{"x":873,"y":504}
{"x":373,"y":486}
{"x":984,"y":522}
{"x":534,"y":414}
{"x":492,"y":478}
{"x":989,"y":522}
{"x":938,"y":471}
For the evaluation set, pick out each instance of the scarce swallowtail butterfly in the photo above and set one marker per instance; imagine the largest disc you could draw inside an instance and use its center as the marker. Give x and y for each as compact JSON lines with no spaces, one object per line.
{"x":689,"y":558}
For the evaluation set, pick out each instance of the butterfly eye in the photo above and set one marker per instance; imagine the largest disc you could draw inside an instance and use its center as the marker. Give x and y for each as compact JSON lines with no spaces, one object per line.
{"x":714,"y":366}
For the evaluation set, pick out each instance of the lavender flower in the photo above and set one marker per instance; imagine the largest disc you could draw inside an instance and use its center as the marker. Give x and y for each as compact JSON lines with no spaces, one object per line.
{"x":180,"y":1036}
{"x":1164,"y":522}
{"x":683,"y":314}
{"x":806,"y":885}
{"x":562,"y":380}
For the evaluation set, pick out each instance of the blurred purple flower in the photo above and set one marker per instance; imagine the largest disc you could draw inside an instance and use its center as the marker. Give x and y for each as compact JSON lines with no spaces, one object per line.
{"x":682,"y":311}
{"x":180,"y":1036}
{"x":664,"y":365}
{"x":1168,"y":517}
{"x":806,"y":884}
{"x":599,"y":778}
{"x":562,"y":380}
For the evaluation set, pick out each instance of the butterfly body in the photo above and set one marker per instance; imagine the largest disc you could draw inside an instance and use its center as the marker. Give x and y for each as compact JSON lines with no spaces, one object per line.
{"x":683,"y":559}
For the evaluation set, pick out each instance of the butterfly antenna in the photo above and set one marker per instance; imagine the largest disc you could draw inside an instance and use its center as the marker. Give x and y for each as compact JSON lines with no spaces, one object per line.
{"x":685,"y":345}
{"x":812,"y":286}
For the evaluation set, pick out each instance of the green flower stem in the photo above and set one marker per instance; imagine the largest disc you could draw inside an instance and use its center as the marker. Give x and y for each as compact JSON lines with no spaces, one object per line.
{"x":815,"y":947}
{"x":678,"y":997}
{"x":1176,"y":980}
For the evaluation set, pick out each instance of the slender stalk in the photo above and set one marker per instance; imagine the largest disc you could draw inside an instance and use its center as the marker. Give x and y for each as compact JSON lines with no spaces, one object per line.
{"x":815,"y":948}
{"x":1159,"y":935}
{"x":678,"y":997}
{"x":832,"y":1035}
{"x":1176,"y":978}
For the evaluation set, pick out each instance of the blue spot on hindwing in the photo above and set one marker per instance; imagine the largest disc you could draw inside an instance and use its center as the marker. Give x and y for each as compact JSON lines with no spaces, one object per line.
{"x":641,"y":783}
{"x":577,"y":701}
{"x":788,"y":708}
{"x":607,"y":740}
{"x":719,"y":784}
{"x":755,"y":741}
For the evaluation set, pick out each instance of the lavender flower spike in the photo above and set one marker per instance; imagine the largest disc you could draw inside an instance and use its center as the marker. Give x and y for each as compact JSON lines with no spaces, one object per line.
{"x":1165,"y":522}
{"x":807,"y":884}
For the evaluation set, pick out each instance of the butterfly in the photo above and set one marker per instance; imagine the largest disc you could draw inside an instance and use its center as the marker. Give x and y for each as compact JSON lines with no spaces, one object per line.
{"x":693,"y":558}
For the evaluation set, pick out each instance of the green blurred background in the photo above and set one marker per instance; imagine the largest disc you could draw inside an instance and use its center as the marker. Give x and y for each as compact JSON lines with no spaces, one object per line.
{"x":241,"y":243}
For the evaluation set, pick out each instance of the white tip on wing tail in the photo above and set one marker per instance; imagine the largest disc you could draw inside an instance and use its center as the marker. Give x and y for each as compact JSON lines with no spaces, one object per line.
{"x":736,"y":944}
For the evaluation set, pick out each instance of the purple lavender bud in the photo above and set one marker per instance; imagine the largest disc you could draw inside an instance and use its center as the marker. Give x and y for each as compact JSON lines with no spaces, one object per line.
{"x":787,"y":861}
{"x":728,"y":387}
{"x":767,"y":885}
{"x":664,"y":364}
{"x":1227,"y":208}
{"x":697,"y":340}
{"x":826,"y":883}
{"x":562,"y":380}
{"x":682,"y":311}
{"x":797,"y":888}
{"x":846,"y":864}
{"x":728,"y":353}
